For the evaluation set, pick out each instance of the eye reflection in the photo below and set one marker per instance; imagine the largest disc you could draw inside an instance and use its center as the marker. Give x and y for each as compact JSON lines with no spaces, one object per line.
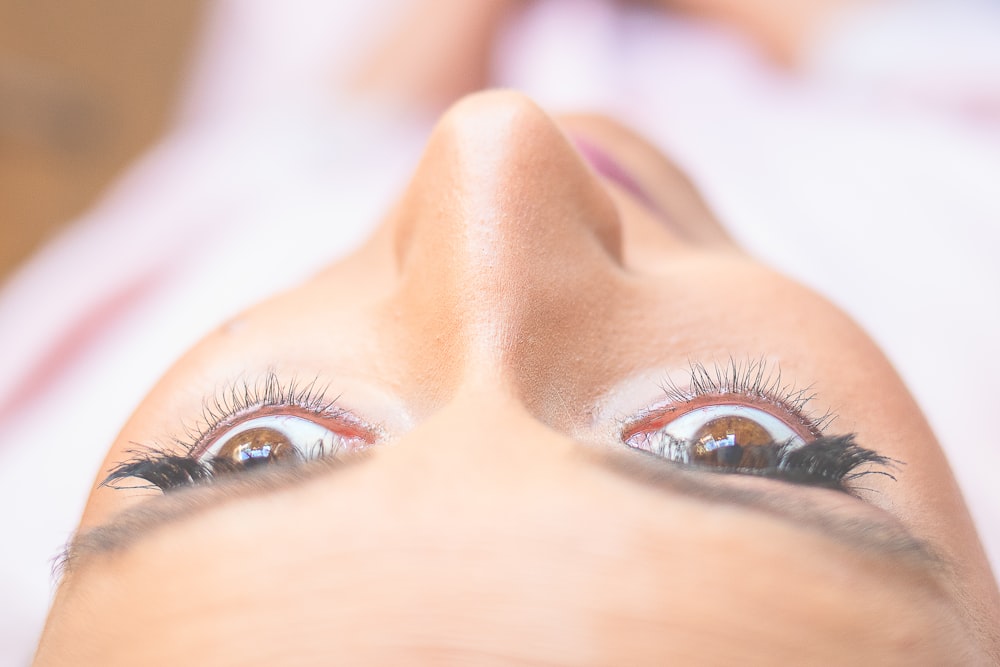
{"x":257,"y":446}
{"x":721,"y":436}
{"x":725,"y":440}
{"x":275,"y":439}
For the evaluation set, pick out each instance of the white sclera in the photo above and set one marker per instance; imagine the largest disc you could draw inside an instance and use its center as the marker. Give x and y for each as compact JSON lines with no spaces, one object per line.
{"x":684,"y":427}
{"x":310,"y":439}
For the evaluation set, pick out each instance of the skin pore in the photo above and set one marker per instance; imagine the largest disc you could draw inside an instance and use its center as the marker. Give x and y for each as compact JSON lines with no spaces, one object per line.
{"x":514,"y":315}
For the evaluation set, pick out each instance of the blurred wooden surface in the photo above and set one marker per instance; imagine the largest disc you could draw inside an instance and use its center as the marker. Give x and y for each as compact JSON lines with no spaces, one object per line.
{"x":84,"y":88}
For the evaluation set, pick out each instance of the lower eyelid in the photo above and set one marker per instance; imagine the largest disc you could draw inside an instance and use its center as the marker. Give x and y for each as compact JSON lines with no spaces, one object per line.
{"x":240,"y":401}
{"x":752,"y":381}
{"x":305,"y":437}
{"x":745,"y":425}
{"x":295,"y":423}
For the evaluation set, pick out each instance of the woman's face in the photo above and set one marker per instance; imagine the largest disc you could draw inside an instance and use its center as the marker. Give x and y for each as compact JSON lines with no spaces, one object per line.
{"x":537,"y":418}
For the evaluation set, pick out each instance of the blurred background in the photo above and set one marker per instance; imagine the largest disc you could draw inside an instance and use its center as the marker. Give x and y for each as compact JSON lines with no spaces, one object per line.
{"x":85,"y":87}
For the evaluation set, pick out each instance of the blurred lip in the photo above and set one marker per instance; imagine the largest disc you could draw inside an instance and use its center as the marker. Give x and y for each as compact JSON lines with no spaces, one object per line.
{"x":611,"y":169}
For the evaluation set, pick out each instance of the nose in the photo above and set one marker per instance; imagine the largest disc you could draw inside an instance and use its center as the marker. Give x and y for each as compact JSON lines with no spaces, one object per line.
{"x":497,"y":169}
{"x":504,"y":239}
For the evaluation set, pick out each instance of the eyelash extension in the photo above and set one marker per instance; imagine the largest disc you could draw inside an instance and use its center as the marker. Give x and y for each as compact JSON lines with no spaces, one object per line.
{"x":751,"y":378}
{"x":165,"y":470}
{"x":168,"y":472}
{"x":828,"y":461}
{"x":162,"y":470}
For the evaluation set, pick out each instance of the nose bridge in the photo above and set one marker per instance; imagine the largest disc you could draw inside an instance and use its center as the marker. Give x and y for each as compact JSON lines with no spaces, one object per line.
{"x":502,"y":229}
{"x":483,"y":428}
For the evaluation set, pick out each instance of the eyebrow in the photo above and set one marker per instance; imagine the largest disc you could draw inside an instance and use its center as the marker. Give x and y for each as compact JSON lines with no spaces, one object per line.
{"x":131,"y":525}
{"x":878,"y":536}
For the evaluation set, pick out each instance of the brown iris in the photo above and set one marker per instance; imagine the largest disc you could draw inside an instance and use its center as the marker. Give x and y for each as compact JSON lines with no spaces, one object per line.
{"x":252,"y":448}
{"x":732,"y":442}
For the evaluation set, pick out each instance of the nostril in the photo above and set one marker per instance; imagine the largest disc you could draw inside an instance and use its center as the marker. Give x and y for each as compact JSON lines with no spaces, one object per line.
{"x":607,"y":166}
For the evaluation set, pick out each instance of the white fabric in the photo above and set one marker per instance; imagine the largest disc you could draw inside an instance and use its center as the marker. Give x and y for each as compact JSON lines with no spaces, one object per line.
{"x":883,"y":197}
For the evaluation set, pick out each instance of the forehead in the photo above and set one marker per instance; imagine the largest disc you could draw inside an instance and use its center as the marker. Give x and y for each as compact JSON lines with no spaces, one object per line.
{"x":561,"y":566}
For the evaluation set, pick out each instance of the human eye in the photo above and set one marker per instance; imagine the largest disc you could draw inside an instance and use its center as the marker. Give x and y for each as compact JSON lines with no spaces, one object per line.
{"x":741,"y":419}
{"x":248,"y":426}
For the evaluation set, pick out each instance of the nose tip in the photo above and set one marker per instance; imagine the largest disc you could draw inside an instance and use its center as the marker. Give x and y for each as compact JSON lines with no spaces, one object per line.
{"x":497,"y":173}
{"x":503,"y":240}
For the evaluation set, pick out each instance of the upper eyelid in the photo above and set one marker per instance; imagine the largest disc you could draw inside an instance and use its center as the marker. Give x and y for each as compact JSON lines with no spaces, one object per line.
{"x":122,"y":530}
{"x":883,"y":536}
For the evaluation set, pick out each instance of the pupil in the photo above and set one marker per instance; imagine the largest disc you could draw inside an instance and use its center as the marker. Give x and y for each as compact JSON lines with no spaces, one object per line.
{"x":731,"y":442}
{"x":255,"y":447}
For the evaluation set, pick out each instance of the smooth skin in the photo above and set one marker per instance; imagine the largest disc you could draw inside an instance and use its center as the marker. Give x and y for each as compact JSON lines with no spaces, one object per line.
{"x":513,"y":308}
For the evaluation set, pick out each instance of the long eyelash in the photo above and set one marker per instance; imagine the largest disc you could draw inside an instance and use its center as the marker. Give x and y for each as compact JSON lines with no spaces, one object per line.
{"x":242,"y":397}
{"x":828,"y":461}
{"x":166,"y":470}
{"x":753,"y":378}
{"x":162,"y":470}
